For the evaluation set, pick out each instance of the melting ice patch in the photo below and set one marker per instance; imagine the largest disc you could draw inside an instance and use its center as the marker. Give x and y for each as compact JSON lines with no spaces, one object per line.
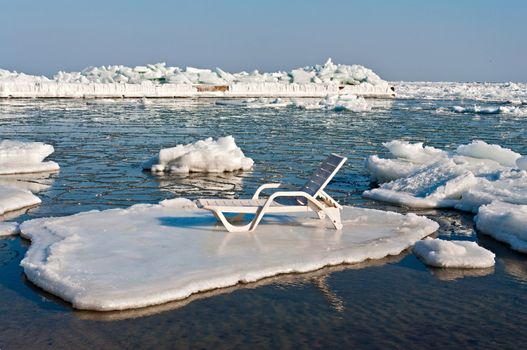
{"x":151,"y":254}
{"x":455,"y":254}
{"x":474,"y":175}
{"x":204,"y":156}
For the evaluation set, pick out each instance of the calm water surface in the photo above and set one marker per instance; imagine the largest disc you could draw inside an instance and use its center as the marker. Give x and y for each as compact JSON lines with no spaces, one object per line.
{"x":392,"y":303}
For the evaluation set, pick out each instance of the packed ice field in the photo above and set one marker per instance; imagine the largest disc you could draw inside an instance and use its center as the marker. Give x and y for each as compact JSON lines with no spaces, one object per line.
{"x":112,"y":216}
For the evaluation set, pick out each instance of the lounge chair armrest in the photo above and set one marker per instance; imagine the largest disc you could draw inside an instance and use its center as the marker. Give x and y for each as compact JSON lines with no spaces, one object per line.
{"x":303,"y":194}
{"x":271,"y":186}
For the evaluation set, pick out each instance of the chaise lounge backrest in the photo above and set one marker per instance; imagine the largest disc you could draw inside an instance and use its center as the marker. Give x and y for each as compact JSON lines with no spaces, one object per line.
{"x":322,"y":176}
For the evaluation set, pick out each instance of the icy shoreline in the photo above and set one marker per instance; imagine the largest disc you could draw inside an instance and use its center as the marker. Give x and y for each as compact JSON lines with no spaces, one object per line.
{"x":161,"y":81}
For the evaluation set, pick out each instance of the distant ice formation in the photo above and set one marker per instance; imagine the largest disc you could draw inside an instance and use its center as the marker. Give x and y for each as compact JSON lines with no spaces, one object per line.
{"x":160,"y":80}
{"x":511,"y":93}
{"x":455,"y":254}
{"x":349,"y":103}
{"x":468,"y":178}
{"x":204,"y":156}
{"x":151,"y":254}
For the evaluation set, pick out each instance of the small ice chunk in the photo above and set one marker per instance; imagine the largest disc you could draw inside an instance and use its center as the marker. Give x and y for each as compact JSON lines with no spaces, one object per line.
{"x":205,"y":156}
{"x":457,"y":254}
{"x":9,"y":229}
{"x":505,"y":222}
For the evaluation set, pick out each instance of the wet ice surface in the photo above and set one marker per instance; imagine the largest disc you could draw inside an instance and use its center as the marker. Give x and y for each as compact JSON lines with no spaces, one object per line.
{"x":100,"y":147}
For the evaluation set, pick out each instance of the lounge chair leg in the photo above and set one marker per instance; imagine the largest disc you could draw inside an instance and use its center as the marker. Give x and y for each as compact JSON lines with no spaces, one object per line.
{"x":334,"y":215}
{"x":230,"y":227}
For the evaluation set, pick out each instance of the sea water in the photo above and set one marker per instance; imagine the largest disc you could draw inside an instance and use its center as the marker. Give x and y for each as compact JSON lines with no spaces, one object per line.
{"x":396,"y":302}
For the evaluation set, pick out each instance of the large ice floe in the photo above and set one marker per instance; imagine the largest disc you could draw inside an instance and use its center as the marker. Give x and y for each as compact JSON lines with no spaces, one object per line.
{"x":457,"y":254}
{"x":151,"y":254}
{"x":160,"y":80}
{"x":203,"y":156}
{"x":468,"y":178}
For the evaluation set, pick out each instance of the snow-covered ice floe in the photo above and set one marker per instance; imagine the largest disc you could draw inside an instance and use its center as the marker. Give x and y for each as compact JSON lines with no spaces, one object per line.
{"x":17,"y":157}
{"x":151,"y":254}
{"x":159,"y":80}
{"x":204,"y":156}
{"x":9,"y":229}
{"x":468,"y":178}
{"x":457,"y":254}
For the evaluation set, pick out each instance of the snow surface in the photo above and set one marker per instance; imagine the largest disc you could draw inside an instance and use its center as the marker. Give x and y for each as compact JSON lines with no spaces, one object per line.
{"x":505,"y":222}
{"x":12,"y":198}
{"x":458,"y":254}
{"x":511,"y":93}
{"x":159,"y":80}
{"x":17,"y":157}
{"x":204,"y":156}
{"x":9,"y":229}
{"x":468,"y":178}
{"x":151,"y":254}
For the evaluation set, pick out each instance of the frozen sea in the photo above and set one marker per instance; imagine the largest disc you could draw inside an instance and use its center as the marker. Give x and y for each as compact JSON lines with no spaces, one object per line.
{"x":392,"y":303}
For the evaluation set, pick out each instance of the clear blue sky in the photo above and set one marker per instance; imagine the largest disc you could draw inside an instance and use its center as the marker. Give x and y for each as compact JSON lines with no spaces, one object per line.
{"x":401,"y":40}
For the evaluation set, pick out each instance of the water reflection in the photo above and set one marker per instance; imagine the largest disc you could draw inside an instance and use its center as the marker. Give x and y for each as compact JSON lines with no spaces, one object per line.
{"x":225,"y":185}
{"x":452,"y":274}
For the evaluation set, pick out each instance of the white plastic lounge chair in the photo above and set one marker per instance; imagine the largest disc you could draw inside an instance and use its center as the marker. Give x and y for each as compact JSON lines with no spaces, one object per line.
{"x":310,"y":198}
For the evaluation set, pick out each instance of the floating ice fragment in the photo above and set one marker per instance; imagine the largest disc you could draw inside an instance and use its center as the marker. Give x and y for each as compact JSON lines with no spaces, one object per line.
{"x":9,"y":229}
{"x":205,"y":156}
{"x":12,"y":198}
{"x":18,"y":157}
{"x":456,"y":254}
{"x":505,"y":222}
